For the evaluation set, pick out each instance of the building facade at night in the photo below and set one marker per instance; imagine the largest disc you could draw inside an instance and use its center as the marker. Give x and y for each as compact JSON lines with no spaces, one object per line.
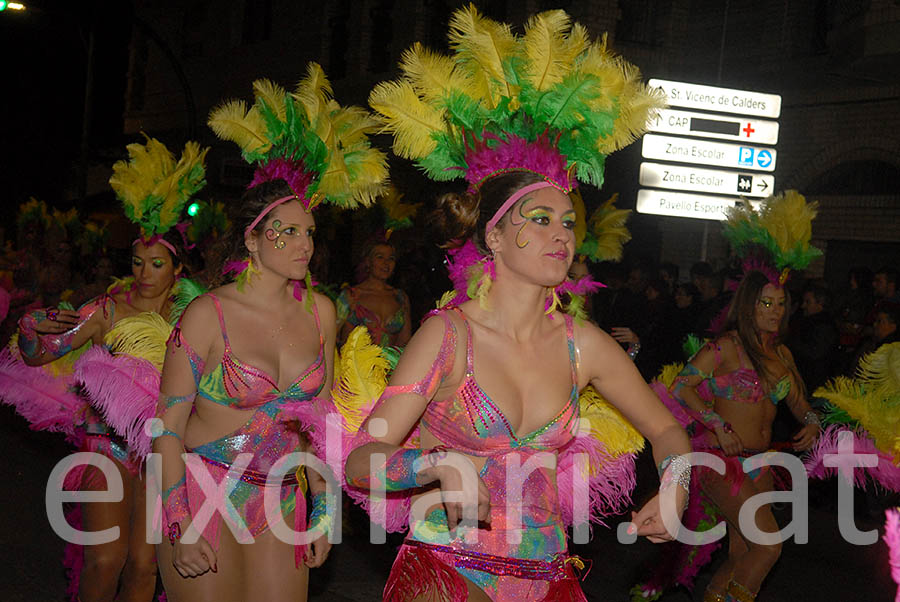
{"x":835,"y":63}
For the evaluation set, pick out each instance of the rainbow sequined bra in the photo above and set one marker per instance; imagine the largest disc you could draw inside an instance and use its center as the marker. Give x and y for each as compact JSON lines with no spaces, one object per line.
{"x":469,"y":421}
{"x":242,"y":386}
{"x":742,"y":384}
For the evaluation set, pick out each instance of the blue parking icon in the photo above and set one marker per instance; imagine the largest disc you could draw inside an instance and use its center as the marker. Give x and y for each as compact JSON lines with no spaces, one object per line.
{"x":745,"y":156}
{"x":764,"y":158}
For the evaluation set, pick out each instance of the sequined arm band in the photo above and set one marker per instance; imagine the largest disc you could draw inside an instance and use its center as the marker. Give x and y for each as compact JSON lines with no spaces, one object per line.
{"x":167,"y":401}
{"x":33,"y":344}
{"x":175,"y":505}
{"x":399,"y":470}
{"x":706,"y":418}
{"x":319,"y":519}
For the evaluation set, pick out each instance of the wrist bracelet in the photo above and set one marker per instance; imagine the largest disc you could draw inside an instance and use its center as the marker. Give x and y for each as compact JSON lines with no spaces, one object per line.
{"x":812,"y":418}
{"x":633,"y":350}
{"x":678,"y":470}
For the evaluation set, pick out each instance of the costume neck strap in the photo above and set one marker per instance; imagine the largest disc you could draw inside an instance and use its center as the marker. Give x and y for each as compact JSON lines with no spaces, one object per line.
{"x":156,"y":238}
{"x":268,"y":209}
{"x":507,"y":205}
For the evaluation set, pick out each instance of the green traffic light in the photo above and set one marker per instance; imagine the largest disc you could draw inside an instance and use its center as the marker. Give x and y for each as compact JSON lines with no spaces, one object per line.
{"x":193,"y":208}
{"x":3,"y":4}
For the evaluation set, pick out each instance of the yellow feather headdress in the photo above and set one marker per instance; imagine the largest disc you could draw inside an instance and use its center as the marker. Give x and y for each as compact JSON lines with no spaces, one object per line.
{"x":154,"y":188}
{"x":774,"y":239}
{"x":551,"y":101}
{"x":319,"y":148}
{"x":33,"y":211}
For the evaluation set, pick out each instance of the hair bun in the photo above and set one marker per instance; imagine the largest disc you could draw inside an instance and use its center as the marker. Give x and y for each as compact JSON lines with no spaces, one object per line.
{"x":455,"y":218}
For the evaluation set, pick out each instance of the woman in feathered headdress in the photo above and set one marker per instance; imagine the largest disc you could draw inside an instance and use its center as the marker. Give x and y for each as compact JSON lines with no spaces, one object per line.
{"x":249,"y":349}
{"x":726,"y":394}
{"x":383,"y":309}
{"x":126,"y":326}
{"x":491,"y":383}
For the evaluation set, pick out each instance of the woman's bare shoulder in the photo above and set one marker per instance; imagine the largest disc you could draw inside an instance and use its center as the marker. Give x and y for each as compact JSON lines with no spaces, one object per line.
{"x":325,"y":306}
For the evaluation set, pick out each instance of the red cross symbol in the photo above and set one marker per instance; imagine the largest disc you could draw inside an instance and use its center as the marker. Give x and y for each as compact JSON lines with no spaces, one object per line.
{"x":749,"y":129}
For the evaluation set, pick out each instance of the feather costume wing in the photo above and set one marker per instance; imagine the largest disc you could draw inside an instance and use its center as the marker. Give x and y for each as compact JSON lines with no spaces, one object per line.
{"x":598,"y":465}
{"x":871,"y":399}
{"x":124,"y":389}
{"x":143,"y":336}
{"x":362,"y":378}
{"x":47,"y":402}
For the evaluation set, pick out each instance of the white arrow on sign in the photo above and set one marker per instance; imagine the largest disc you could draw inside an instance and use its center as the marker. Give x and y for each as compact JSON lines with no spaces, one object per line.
{"x":704,"y":125}
{"x":679,"y":204}
{"x":688,"y":177}
{"x":722,"y":100}
{"x":705,"y":152}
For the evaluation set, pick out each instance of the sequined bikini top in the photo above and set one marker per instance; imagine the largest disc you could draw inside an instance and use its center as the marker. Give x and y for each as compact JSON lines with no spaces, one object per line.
{"x":743,"y":384}
{"x":242,"y":386}
{"x":470,"y":421}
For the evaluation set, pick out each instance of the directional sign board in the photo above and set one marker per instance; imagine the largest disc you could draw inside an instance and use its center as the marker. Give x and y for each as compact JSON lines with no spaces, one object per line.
{"x":689,"y":177}
{"x":744,"y":129}
{"x":705,"y":152}
{"x":724,"y":127}
{"x":720,"y":100}
{"x":679,"y":204}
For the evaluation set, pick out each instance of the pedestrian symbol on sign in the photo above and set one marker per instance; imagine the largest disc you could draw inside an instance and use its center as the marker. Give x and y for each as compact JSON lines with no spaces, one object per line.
{"x":744,"y":183}
{"x":745,"y":156}
{"x":764,"y":158}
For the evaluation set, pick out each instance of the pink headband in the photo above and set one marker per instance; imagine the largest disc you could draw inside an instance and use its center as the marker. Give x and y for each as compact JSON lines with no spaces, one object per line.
{"x":512,"y":201}
{"x":156,"y":238}
{"x":268,"y":208}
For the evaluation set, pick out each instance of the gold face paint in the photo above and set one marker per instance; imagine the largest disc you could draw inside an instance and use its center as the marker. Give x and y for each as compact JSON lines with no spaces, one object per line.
{"x":540,"y":216}
{"x":276,"y":231}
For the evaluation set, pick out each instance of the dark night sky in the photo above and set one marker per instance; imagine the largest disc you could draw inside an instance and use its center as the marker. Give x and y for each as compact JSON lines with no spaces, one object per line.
{"x":44,"y":52}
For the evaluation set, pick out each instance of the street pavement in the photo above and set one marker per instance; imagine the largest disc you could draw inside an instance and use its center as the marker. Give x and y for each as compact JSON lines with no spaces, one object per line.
{"x":826,"y":569}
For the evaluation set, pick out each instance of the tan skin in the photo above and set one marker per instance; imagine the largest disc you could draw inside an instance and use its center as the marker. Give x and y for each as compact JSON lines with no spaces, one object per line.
{"x":380,"y":297}
{"x":521,"y":361}
{"x":130,"y":560}
{"x":270,"y":330}
{"x":748,"y":563}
